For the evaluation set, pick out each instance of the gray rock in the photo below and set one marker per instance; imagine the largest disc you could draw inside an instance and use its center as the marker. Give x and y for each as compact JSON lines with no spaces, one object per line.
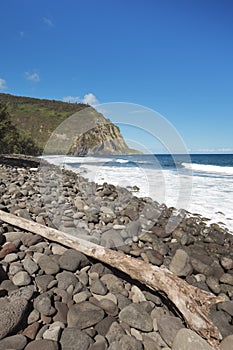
{"x":43,"y":304}
{"x":113,"y":283}
{"x":122,"y":301}
{"x":115,"y":332}
{"x":108,"y":306}
{"x":12,"y":312}
{"x":180,"y":264}
{"x":135,"y":316}
{"x":73,"y":339}
{"x":103,"y":326}
{"x":112,"y":239}
{"x":33,"y":316}
{"x":227,"y":263}
{"x":29,"y":239}
{"x":81,"y":296}
{"x":188,"y":340}
{"x":43,"y":281}
{"x":21,"y":278}
{"x":168,"y":326}
{"x":42,"y":344}
{"x":130,"y":343}
{"x":226,"y":306}
{"x":48,"y":265}
{"x":16,"y":342}
{"x":30,"y":265}
{"x":84,"y":315}
{"x":54,"y":331}
{"x":98,"y":287}
{"x":227,"y":278}
{"x":14,"y":236}
{"x":71,"y":260}
{"x":65,"y":279}
{"x":213,"y":283}
{"x":11,"y":257}
{"x":227,"y":343}
{"x":222,"y":320}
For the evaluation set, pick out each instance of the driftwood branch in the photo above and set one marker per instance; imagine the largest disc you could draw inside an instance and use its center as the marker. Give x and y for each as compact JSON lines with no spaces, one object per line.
{"x":192,"y":302}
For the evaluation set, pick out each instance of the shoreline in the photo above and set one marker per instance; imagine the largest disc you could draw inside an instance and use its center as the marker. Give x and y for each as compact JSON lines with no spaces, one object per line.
{"x":111,"y":216}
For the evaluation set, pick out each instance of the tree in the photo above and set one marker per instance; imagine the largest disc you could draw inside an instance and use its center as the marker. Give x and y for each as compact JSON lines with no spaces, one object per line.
{"x":12,"y":140}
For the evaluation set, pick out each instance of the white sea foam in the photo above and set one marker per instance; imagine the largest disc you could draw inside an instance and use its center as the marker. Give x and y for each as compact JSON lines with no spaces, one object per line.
{"x":209,"y":168}
{"x":211,"y":196}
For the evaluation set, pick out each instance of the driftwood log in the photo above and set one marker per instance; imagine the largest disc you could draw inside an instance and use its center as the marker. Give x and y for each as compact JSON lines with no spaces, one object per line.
{"x":193,"y":303}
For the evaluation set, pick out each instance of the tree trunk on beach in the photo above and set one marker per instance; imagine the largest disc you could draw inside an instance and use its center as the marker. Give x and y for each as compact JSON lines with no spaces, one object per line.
{"x":193,"y":303}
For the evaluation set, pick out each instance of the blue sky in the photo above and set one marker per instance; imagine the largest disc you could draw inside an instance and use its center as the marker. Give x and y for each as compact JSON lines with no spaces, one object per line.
{"x":173,"y":56}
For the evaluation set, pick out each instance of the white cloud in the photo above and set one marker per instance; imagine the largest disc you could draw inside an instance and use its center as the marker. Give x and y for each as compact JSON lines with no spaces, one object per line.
{"x":48,"y":22}
{"x":3,"y":85}
{"x":32,"y":77}
{"x":89,"y":99}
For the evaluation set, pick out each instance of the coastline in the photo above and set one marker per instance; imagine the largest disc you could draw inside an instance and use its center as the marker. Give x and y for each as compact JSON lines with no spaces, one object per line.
{"x":111,"y":216}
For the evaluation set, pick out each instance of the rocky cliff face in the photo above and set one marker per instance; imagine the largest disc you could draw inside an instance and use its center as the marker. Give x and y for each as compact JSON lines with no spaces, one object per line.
{"x":102,"y":139}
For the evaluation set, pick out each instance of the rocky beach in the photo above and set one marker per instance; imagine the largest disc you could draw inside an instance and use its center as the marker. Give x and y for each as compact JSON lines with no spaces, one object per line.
{"x":56,"y":298}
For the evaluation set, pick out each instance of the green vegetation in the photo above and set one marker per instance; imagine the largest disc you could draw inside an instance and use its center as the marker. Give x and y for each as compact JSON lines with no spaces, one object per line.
{"x":12,"y":140}
{"x":28,"y":123}
{"x":39,"y":118}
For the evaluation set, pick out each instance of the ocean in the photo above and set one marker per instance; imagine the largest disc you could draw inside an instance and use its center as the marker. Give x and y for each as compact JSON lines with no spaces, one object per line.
{"x":201,"y":184}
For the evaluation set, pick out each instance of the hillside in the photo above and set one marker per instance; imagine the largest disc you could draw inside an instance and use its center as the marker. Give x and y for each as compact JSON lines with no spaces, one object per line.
{"x":39,"y":118}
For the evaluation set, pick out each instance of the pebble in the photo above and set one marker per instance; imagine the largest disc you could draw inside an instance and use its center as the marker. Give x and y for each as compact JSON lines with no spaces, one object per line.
{"x":135,"y":316}
{"x":16,"y":342}
{"x":168,"y":326}
{"x":180,"y":263}
{"x":70,"y":260}
{"x":42,"y":344}
{"x":73,"y":339}
{"x":21,"y":278}
{"x":29,"y":265}
{"x":84,"y":315}
{"x":188,"y":340}
{"x":48,"y":265}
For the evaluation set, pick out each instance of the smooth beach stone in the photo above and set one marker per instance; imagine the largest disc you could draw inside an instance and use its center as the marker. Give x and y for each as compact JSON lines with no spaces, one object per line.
{"x":98,"y":287}
{"x":16,"y":342}
{"x":227,"y":343}
{"x":115,"y":332}
{"x":108,"y":306}
{"x":43,"y":304}
{"x":130,"y":343}
{"x":48,"y":265}
{"x":73,"y":339}
{"x":43,"y":281}
{"x":135,"y":316}
{"x":226,"y":306}
{"x":180,"y":264}
{"x":12,"y":312}
{"x":84,"y":315}
{"x":42,"y":344}
{"x":70,"y":260}
{"x":65,"y":279}
{"x":168,"y":326}
{"x":30,"y":265}
{"x":113,"y":283}
{"x":188,"y":340}
{"x":103,"y":326}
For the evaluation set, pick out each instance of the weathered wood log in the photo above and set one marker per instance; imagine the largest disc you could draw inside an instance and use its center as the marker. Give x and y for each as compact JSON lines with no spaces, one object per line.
{"x":193,"y":303}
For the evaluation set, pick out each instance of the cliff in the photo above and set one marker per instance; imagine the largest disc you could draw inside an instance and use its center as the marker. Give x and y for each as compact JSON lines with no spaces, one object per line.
{"x":88,"y":133}
{"x":103,"y":139}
